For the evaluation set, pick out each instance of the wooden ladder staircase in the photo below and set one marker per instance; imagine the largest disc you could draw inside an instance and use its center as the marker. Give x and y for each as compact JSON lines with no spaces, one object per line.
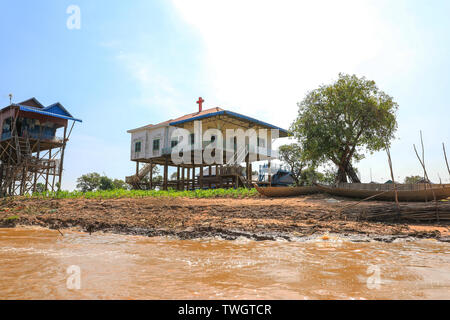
{"x":136,"y":180}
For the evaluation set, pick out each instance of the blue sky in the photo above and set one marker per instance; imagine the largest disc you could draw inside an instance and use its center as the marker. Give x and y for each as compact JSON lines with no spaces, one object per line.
{"x":138,"y":62}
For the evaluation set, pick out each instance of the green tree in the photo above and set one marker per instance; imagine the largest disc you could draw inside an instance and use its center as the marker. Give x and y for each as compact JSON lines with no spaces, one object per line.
{"x":328,"y":177}
{"x":157,"y":180}
{"x":120,"y":184}
{"x":94,"y":181}
{"x":40,"y":187}
{"x":89,"y":182}
{"x":292,"y":155}
{"x":337,"y":122}
{"x":105,"y":183}
{"x":413,"y":179}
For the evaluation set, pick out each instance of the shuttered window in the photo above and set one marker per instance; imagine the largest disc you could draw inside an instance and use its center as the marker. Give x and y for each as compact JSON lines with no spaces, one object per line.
{"x":156,"y":145}
{"x":137,"y":146}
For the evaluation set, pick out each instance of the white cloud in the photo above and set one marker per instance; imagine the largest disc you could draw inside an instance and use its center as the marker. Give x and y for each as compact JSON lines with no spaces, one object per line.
{"x":263,"y":56}
{"x":155,"y":89}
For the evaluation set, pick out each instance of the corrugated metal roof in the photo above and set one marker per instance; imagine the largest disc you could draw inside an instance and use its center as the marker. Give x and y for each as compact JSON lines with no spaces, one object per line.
{"x":48,"y":113}
{"x":231,"y":114}
{"x":187,"y":116}
{"x":58,"y":108}
{"x":34,"y":101}
{"x":212,"y":112}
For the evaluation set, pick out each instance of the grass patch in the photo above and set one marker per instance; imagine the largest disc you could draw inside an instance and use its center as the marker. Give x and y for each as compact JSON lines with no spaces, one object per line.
{"x":12,"y":218}
{"x":171,"y":193}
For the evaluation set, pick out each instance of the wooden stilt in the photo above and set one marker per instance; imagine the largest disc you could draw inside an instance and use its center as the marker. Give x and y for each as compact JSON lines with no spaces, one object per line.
{"x":22,"y":185}
{"x":210,"y":175}
{"x":178,"y":177}
{"x":182,"y":179}
{"x":247,"y":174}
{"x":269,"y":173}
{"x":62,"y":159}
{"x":37,"y":162}
{"x":201,"y":177}
{"x":48,"y":169}
{"x":151,"y":175}
{"x":53,"y":179}
{"x":166,"y":172}
{"x":221,"y":172}
{"x":188,"y":178}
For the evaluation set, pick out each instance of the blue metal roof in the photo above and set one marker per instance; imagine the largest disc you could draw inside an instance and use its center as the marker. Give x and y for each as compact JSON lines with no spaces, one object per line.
{"x":53,"y":111}
{"x":231,"y":114}
{"x":58,"y":108}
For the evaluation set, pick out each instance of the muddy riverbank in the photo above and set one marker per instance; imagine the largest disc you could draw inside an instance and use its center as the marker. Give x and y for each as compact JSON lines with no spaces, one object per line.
{"x":253,"y":218}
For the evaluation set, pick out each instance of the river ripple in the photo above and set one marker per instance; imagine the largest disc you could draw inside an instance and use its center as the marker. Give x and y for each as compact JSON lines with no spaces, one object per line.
{"x":34,"y":263}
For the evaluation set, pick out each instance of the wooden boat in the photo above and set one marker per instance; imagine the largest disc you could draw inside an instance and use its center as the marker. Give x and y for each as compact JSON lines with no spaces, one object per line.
{"x":285,"y":191}
{"x":374,"y":191}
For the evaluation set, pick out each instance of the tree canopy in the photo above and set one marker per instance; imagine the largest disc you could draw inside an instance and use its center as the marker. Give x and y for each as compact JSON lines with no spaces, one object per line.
{"x":292,"y":155}
{"x":88,"y":182}
{"x":94,"y":181}
{"x":337,"y":122}
{"x":415,"y":179}
{"x":302,"y":169}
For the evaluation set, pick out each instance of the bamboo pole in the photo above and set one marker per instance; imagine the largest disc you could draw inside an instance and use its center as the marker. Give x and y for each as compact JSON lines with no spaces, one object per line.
{"x":393,"y":179}
{"x":410,"y":211}
{"x":423,"y":156}
{"x":445,"y":156}
{"x":426,"y":175}
{"x":423,"y":166}
{"x":360,"y":201}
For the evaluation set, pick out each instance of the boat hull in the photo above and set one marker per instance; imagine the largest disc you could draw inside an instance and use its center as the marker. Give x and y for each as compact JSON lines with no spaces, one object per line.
{"x":426,"y":194}
{"x":286,"y":191}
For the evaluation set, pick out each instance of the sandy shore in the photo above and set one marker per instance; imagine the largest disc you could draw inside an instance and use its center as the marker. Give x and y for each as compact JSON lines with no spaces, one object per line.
{"x":255,"y":218}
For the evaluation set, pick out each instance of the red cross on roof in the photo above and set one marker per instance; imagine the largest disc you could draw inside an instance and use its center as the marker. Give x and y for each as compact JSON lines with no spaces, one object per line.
{"x":200,"y":101}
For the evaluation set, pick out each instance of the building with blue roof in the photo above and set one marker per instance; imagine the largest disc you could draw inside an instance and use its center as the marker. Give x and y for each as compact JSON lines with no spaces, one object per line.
{"x":32,"y":141}
{"x":155,"y":144}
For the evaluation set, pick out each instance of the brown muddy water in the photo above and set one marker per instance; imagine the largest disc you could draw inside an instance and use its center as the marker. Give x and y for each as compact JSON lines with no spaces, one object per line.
{"x":42,"y":264}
